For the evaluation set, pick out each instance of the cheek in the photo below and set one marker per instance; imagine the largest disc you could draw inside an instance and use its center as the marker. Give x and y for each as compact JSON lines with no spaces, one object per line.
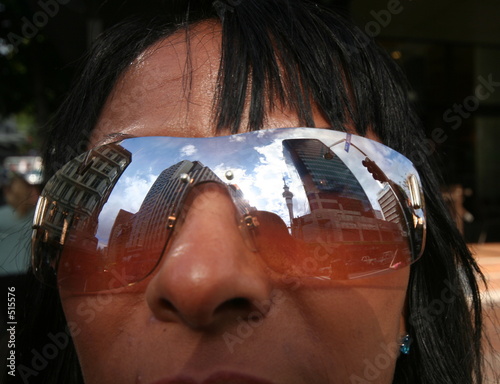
{"x":359,"y":326}
{"x":344,"y":332}
{"x":103,"y":326}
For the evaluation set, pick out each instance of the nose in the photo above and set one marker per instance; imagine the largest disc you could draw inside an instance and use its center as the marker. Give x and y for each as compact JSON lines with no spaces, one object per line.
{"x":208,"y":274}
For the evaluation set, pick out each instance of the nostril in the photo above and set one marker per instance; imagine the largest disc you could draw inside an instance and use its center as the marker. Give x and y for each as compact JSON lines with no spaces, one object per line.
{"x":167,"y":305}
{"x":238,"y":303}
{"x":242,"y":306}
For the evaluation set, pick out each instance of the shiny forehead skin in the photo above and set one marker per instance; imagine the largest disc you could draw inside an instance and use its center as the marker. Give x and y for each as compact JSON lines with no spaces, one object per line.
{"x":169,"y":91}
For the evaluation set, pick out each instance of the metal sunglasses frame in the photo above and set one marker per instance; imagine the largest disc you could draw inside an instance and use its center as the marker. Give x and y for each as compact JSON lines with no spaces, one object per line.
{"x":91,"y":203}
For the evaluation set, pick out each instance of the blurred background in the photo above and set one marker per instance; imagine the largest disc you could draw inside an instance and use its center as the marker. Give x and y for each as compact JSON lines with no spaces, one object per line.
{"x":450,"y":51}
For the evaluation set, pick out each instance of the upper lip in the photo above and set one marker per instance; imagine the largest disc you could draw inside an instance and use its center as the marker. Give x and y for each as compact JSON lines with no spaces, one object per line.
{"x":216,"y":378}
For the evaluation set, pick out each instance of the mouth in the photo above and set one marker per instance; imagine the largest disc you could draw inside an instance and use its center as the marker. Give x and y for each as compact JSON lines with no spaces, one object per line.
{"x":216,"y":378}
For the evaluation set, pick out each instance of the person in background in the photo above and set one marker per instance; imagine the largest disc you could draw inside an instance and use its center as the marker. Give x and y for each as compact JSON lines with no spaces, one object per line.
{"x":21,"y":191}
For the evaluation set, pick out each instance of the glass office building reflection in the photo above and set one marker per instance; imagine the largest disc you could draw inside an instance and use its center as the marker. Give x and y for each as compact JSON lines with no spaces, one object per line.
{"x":147,"y":231}
{"x":340,"y":208}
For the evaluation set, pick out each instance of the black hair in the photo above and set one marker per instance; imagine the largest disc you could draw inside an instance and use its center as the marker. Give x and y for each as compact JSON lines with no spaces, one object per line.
{"x":297,"y":55}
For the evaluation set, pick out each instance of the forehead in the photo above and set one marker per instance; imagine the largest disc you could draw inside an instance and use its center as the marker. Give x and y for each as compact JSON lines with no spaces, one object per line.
{"x":168,"y":89}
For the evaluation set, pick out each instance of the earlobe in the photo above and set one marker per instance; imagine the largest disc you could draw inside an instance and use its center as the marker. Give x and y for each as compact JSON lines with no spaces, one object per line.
{"x":405,"y":344}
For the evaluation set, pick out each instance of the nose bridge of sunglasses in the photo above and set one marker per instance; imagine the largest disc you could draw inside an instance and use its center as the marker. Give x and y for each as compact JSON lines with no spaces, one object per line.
{"x":198,"y":185}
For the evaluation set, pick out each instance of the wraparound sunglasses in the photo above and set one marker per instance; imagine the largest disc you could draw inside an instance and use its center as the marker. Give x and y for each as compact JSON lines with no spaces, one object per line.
{"x":311,"y":203}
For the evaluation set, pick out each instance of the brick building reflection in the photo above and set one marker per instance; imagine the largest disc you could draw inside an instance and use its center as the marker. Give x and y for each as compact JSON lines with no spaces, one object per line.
{"x":77,"y":194}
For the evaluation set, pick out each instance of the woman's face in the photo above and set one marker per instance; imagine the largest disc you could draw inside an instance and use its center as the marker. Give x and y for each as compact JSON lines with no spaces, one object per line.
{"x":210,"y":313}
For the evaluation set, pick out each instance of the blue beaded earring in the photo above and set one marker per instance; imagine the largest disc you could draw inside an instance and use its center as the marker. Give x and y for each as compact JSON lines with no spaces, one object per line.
{"x":405,"y":345}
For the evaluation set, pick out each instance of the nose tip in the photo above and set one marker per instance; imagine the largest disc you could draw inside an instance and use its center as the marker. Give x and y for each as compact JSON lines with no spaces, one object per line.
{"x":208,"y":274}
{"x":206,"y":305}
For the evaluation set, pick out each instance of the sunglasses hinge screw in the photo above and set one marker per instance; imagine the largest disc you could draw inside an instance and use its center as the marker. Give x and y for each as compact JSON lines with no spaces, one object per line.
{"x":229,"y":175}
{"x":185,"y":178}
